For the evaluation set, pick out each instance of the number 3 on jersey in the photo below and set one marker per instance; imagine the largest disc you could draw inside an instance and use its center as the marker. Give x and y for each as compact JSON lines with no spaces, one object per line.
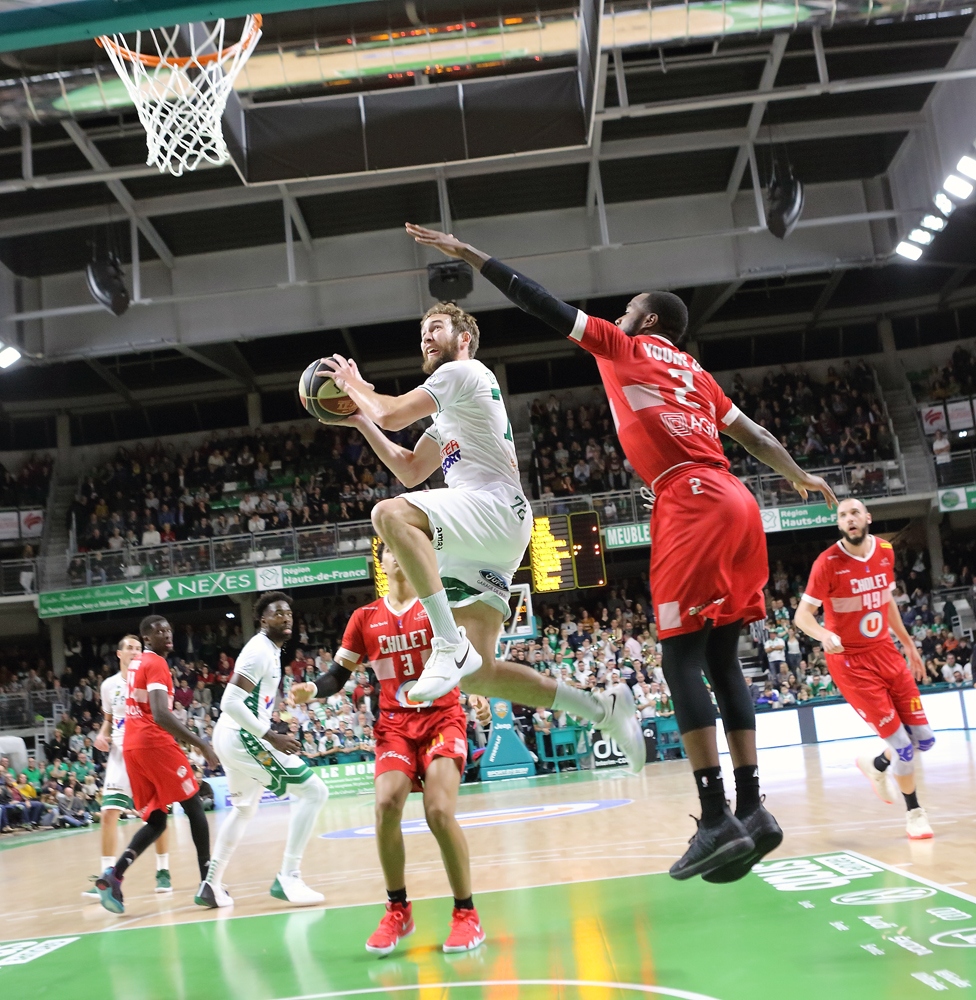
{"x":406,"y":661}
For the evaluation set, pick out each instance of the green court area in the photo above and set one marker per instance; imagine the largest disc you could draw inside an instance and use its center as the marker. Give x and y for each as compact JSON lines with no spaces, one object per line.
{"x":837,"y":926}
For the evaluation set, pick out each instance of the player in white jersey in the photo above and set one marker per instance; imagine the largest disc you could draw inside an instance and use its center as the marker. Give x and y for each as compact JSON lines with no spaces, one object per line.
{"x":116,"y":793}
{"x":460,"y":547}
{"x":256,"y":758}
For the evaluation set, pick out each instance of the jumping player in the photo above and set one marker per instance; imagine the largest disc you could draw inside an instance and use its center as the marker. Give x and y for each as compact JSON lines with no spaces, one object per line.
{"x":256,"y":758}
{"x":117,"y":793}
{"x":158,"y":770}
{"x":418,"y":747}
{"x":708,"y":548}
{"x":460,"y":547}
{"x":854,"y":580}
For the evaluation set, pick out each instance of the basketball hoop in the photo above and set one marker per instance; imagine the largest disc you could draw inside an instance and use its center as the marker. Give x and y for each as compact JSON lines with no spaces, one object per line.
{"x":181,"y":98}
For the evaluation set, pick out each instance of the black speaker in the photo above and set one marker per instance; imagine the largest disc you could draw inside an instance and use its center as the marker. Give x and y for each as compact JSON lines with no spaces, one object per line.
{"x":785,"y":201}
{"x":106,"y":282}
{"x":450,"y":280}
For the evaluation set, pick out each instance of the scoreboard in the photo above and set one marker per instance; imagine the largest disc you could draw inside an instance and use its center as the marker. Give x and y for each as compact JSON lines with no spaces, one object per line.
{"x":566,"y":553}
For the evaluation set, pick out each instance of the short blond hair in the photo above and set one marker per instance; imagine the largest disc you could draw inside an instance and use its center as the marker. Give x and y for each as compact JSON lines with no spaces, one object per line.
{"x":461,"y":322}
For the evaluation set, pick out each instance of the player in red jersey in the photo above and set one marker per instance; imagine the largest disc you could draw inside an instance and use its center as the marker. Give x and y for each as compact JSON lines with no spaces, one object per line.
{"x":158,"y":770}
{"x":708,"y":554}
{"x":853,"y":581}
{"x":419,"y":747}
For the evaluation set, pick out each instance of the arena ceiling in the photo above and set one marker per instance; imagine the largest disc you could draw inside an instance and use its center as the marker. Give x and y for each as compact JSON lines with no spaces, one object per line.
{"x":239,"y":280}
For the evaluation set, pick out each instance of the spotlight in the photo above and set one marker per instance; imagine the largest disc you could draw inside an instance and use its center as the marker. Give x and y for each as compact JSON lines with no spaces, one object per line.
{"x":228,"y":614}
{"x":963,"y":434}
{"x":967,"y":166}
{"x":934,"y":222}
{"x":921,"y":236}
{"x":106,"y":283}
{"x":450,"y":280}
{"x":785,"y":201}
{"x":944,"y":204}
{"x":908,"y":250}
{"x":957,"y":187}
{"x":8,"y":356}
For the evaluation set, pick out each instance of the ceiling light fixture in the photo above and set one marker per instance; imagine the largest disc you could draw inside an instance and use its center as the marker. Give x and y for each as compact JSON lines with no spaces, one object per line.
{"x":934,"y":222}
{"x":922,"y":236}
{"x":957,"y":187}
{"x":944,"y":204}
{"x":967,"y":166}
{"x":908,"y":250}
{"x":8,"y":356}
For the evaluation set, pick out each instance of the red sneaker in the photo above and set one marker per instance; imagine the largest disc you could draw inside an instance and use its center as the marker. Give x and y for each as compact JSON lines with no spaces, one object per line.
{"x":397,"y":923}
{"x":466,"y":932}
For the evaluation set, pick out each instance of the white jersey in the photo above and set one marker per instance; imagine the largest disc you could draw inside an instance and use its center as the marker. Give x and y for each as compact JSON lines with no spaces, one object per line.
{"x":113,"y":693}
{"x":471,"y":427}
{"x":260,"y":663}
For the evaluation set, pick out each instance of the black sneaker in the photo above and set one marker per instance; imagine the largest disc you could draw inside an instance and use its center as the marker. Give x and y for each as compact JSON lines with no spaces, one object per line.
{"x":712,"y":847}
{"x":766,"y":835}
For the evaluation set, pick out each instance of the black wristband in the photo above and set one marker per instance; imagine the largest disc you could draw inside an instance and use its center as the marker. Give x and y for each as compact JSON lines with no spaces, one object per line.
{"x":531,"y":297}
{"x":332,"y":682}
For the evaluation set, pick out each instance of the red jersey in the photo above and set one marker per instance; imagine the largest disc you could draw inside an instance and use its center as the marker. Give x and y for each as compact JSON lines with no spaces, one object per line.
{"x":397,"y":647}
{"x":147,"y":672}
{"x":855,"y":592}
{"x":666,"y":407}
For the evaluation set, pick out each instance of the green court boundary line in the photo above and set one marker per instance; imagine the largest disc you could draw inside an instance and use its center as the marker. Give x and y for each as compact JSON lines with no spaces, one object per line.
{"x":117,"y":928}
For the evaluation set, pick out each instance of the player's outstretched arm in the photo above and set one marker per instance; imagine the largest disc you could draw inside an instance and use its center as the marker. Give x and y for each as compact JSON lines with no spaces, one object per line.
{"x":527,"y":294}
{"x":324,"y":686}
{"x":165,"y":719}
{"x":762,"y":445}
{"x":410,"y":467}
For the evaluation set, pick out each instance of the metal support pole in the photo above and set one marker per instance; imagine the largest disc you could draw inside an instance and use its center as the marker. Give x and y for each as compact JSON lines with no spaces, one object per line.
{"x":136,"y":262}
{"x":289,"y":244}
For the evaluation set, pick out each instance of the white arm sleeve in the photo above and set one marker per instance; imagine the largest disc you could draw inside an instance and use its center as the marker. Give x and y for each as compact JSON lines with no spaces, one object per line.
{"x":233,"y":703}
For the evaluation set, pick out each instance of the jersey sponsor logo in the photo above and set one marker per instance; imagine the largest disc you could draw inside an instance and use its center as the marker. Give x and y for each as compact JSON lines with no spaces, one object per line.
{"x":861,"y":584}
{"x":403,"y":642}
{"x":398,"y":756}
{"x":494,"y":582}
{"x":438,"y":540}
{"x":450,"y":455}
{"x":684,"y":424}
{"x":377,"y":624}
{"x":872,"y":625}
{"x":181,"y":772}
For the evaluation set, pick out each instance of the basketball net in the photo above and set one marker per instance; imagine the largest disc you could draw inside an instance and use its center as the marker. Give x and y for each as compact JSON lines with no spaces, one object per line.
{"x":181,"y":98}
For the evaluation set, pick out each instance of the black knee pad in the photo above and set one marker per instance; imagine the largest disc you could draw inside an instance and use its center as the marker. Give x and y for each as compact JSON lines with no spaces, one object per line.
{"x":683,"y":662}
{"x":157,"y":820}
{"x":727,"y":680}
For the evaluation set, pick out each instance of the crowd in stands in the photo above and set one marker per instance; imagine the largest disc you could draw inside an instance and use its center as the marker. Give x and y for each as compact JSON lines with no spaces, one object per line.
{"x":243,"y":481}
{"x":839,"y":422}
{"x":29,"y":486}
{"x":956,"y":378}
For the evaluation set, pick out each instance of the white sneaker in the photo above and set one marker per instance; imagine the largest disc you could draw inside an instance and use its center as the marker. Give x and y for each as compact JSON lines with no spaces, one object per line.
{"x":292,"y":889}
{"x":621,"y":724}
{"x":878,"y":779}
{"x":212,"y":895}
{"x":917,"y":825}
{"x":447,"y":664}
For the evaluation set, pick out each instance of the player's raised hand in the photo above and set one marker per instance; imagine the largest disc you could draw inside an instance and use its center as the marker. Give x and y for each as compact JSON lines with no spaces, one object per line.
{"x":807,"y":483}
{"x":301,"y":694}
{"x":447,"y":243}
{"x":343,"y":370}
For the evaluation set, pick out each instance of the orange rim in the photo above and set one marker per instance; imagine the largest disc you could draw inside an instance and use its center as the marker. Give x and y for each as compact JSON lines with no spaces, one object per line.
{"x":103,"y":41}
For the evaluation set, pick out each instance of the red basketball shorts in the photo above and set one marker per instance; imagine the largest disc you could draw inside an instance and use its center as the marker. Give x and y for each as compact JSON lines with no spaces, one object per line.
{"x":159,"y":776}
{"x":878,"y":685}
{"x":708,"y":552}
{"x":409,"y":741}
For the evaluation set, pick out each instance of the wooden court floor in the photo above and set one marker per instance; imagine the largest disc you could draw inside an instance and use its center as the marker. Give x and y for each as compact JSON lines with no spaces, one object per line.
{"x":819,"y":797}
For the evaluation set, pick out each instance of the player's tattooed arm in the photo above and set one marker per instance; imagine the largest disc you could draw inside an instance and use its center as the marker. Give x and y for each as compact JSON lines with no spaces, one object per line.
{"x":527,"y":294}
{"x":164,"y":718}
{"x":762,"y":445}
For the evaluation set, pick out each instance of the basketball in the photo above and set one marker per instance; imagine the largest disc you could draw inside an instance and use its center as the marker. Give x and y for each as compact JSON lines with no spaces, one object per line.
{"x":322,"y":397}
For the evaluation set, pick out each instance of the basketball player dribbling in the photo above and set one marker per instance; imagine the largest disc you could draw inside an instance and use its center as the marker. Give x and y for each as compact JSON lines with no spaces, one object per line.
{"x":854,"y":581}
{"x":708,"y":548}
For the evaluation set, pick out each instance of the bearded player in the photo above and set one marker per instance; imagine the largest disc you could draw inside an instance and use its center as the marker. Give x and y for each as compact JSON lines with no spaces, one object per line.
{"x":459,"y":547}
{"x":117,"y":793}
{"x":853,"y":581}
{"x":256,"y":758}
{"x":419,"y":747}
{"x":158,"y":769}
{"x":708,"y":548}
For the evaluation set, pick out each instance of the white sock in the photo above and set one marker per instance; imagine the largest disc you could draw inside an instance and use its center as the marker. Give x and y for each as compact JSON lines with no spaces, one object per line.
{"x":310,"y":796}
{"x":162,"y":862}
{"x":576,"y":701}
{"x":229,"y":836}
{"x":107,"y":863}
{"x":441,"y":619}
